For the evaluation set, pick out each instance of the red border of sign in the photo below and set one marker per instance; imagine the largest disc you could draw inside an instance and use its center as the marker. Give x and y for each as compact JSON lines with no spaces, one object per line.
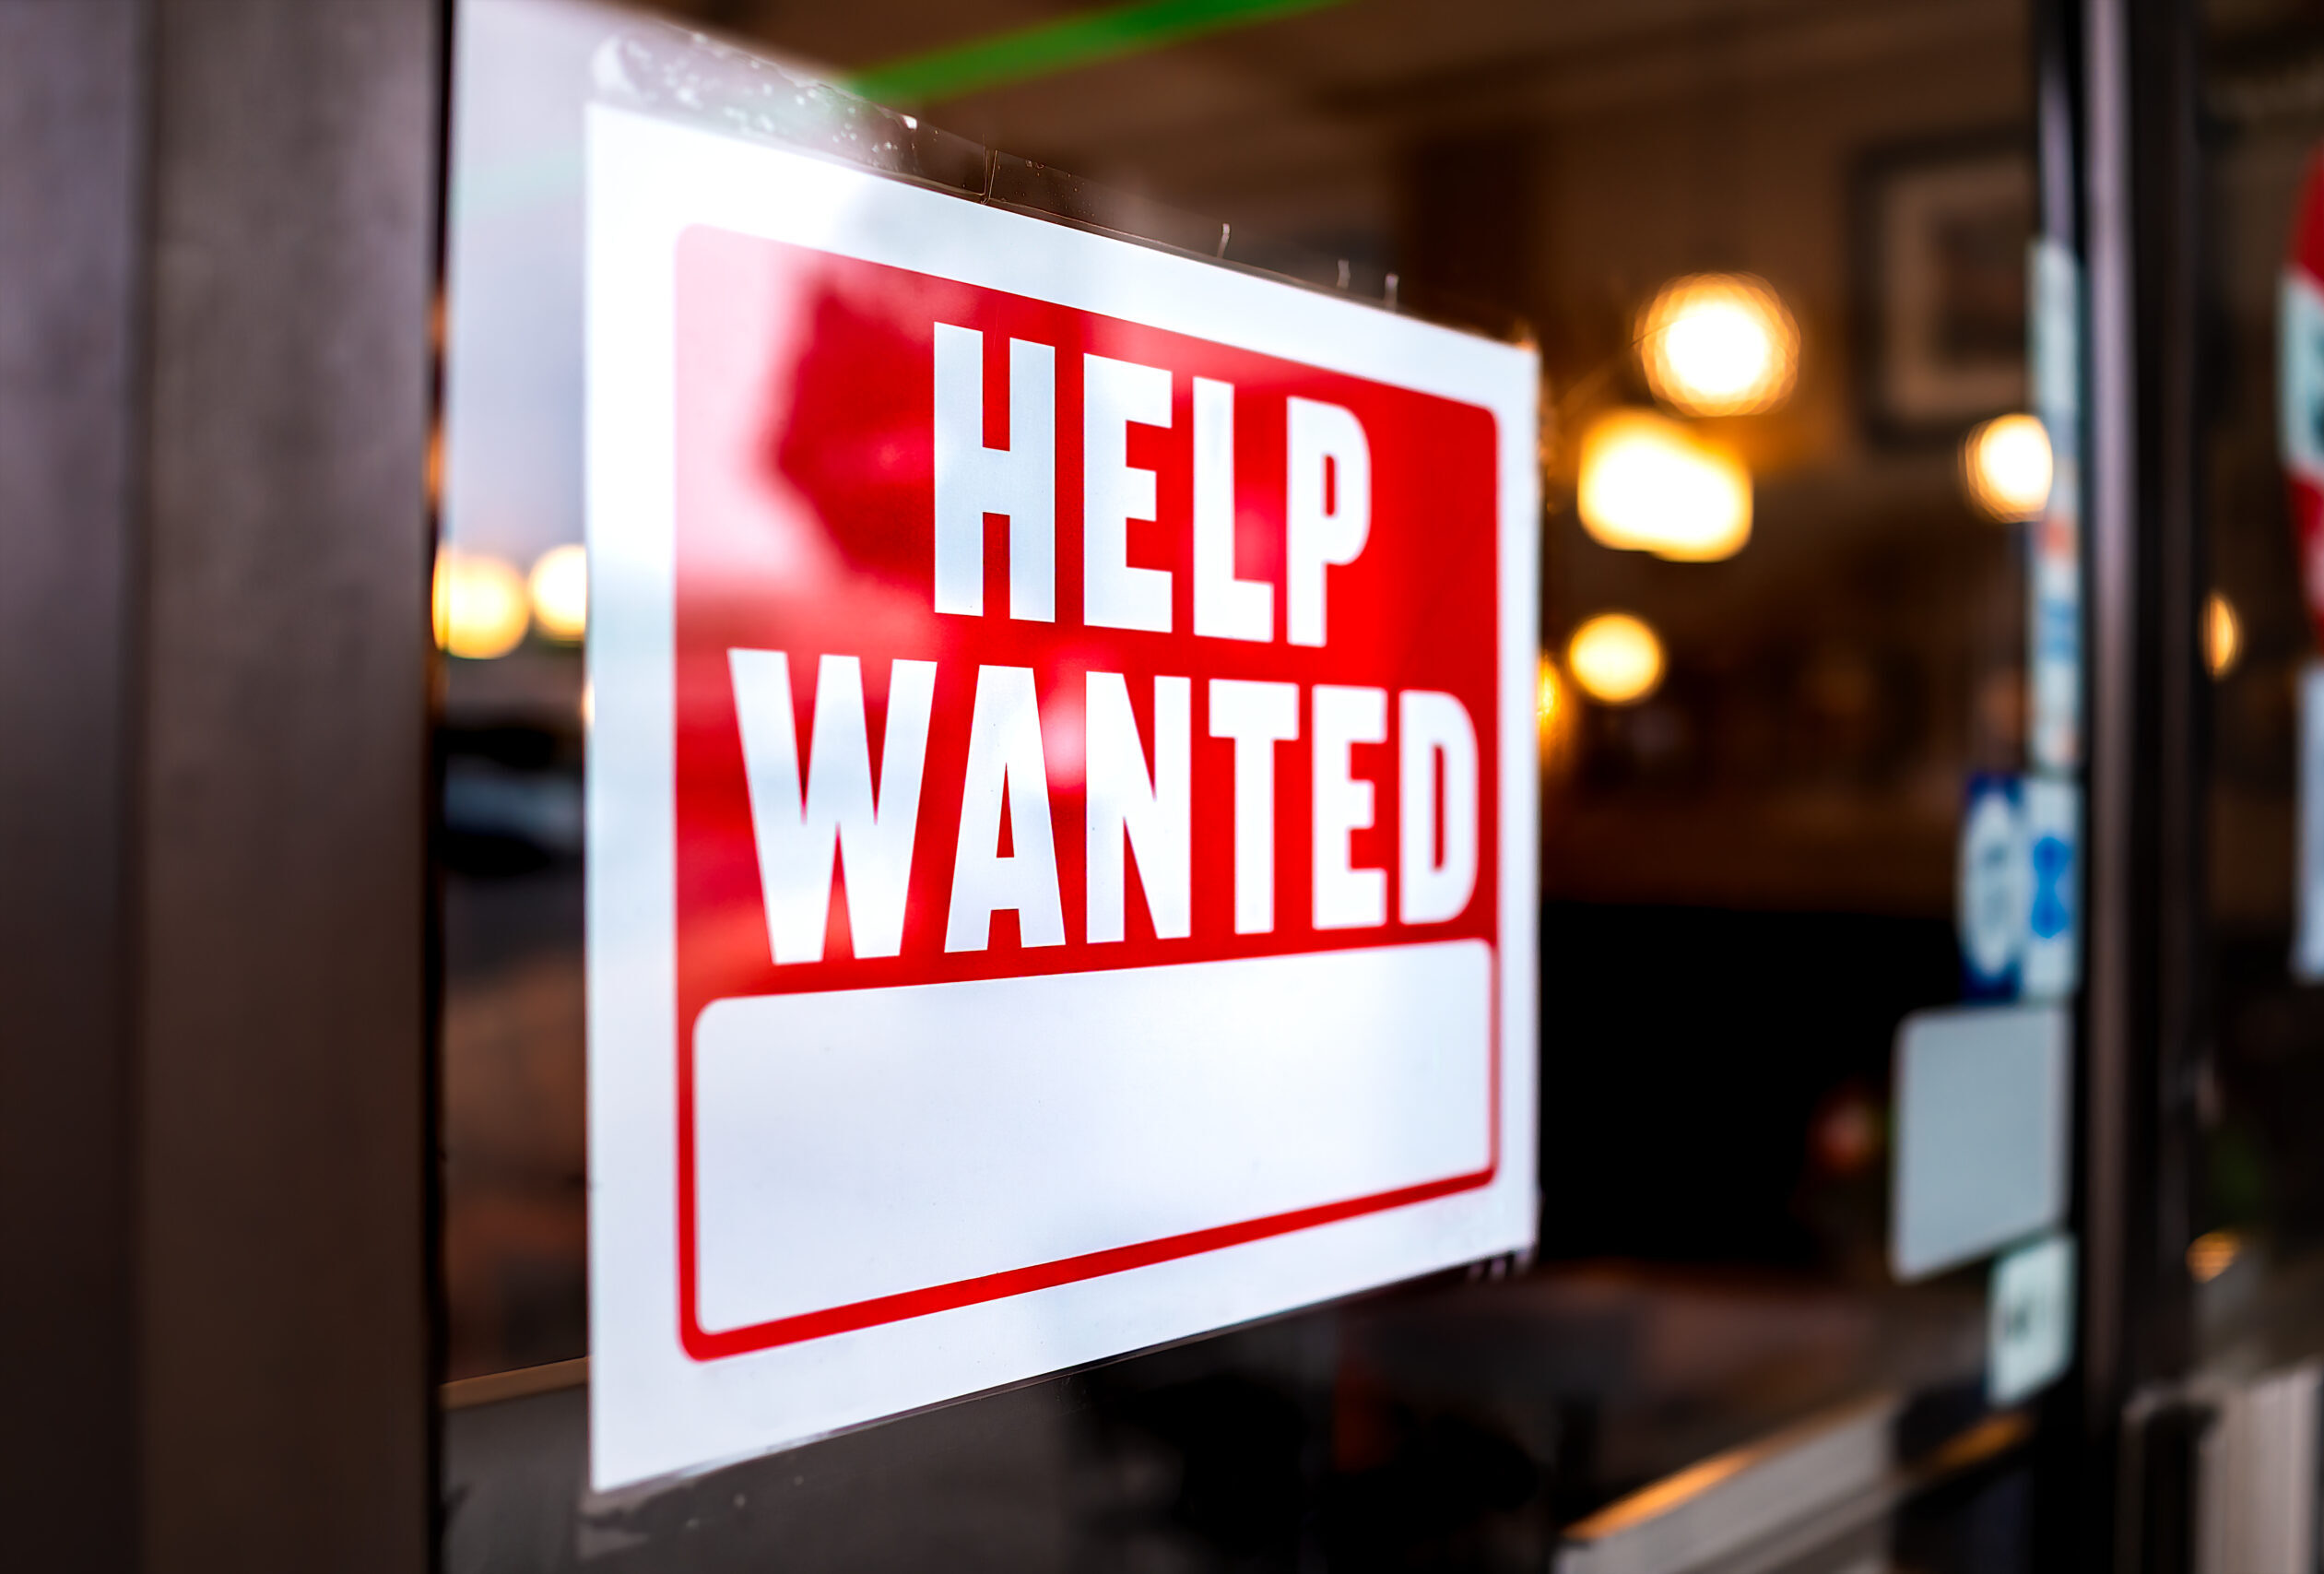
{"x":703,"y":1344}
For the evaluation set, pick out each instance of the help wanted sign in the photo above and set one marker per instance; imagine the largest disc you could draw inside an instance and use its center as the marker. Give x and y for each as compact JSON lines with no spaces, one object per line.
{"x":1061,"y":851}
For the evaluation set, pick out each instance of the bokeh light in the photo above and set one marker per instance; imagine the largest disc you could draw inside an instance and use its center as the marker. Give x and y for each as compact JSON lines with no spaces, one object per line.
{"x":2209,"y":1255}
{"x":558,"y":588}
{"x":1549,"y":696}
{"x":1649,"y":484}
{"x":1556,"y":720}
{"x":1616,"y":659}
{"x":2222,"y":635}
{"x":1846,"y":1136}
{"x":480,"y":608}
{"x":2005,"y":465}
{"x":1719,"y":343}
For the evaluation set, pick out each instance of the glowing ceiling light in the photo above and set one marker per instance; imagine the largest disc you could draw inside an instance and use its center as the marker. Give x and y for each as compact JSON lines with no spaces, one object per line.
{"x":2006,"y":466}
{"x":479,"y":605}
{"x":1650,"y":485}
{"x":1616,"y":659}
{"x":558,"y":586}
{"x":2222,"y":635}
{"x":1719,"y":343}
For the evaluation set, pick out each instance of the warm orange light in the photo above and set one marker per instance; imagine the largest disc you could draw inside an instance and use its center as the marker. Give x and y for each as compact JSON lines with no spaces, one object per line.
{"x":1616,"y":659}
{"x":558,"y":588}
{"x":1719,"y":343}
{"x":1556,"y":719}
{"x":2006,"y":466}
{"x":2209,"y":1256}
{"x":1650,"y":485}
{"x":2222,"y":635}
{"x":479,"y":604}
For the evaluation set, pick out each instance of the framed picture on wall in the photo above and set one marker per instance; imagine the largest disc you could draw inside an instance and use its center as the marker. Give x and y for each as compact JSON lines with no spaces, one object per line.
{"x":1943,"y":232}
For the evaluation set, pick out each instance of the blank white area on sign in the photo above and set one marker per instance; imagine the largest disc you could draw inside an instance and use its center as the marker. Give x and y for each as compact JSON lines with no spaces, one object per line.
{"x":1981,"y":1133}
{"x":864,"y":1142}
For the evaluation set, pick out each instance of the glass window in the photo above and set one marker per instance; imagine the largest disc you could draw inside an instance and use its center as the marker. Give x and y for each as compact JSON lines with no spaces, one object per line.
{"x":2257,"y":1214}
{"x":1775,"y":265}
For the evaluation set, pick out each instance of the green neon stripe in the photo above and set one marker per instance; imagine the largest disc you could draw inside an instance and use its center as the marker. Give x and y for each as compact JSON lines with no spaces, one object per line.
{"x":1067,"y":45}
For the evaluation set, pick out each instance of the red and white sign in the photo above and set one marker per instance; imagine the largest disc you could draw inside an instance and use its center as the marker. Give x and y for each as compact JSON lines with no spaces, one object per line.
{"x":1061,"y":825}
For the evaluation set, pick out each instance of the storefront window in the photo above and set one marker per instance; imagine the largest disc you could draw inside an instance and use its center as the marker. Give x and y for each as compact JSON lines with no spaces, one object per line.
{"x":1776,"y":271}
